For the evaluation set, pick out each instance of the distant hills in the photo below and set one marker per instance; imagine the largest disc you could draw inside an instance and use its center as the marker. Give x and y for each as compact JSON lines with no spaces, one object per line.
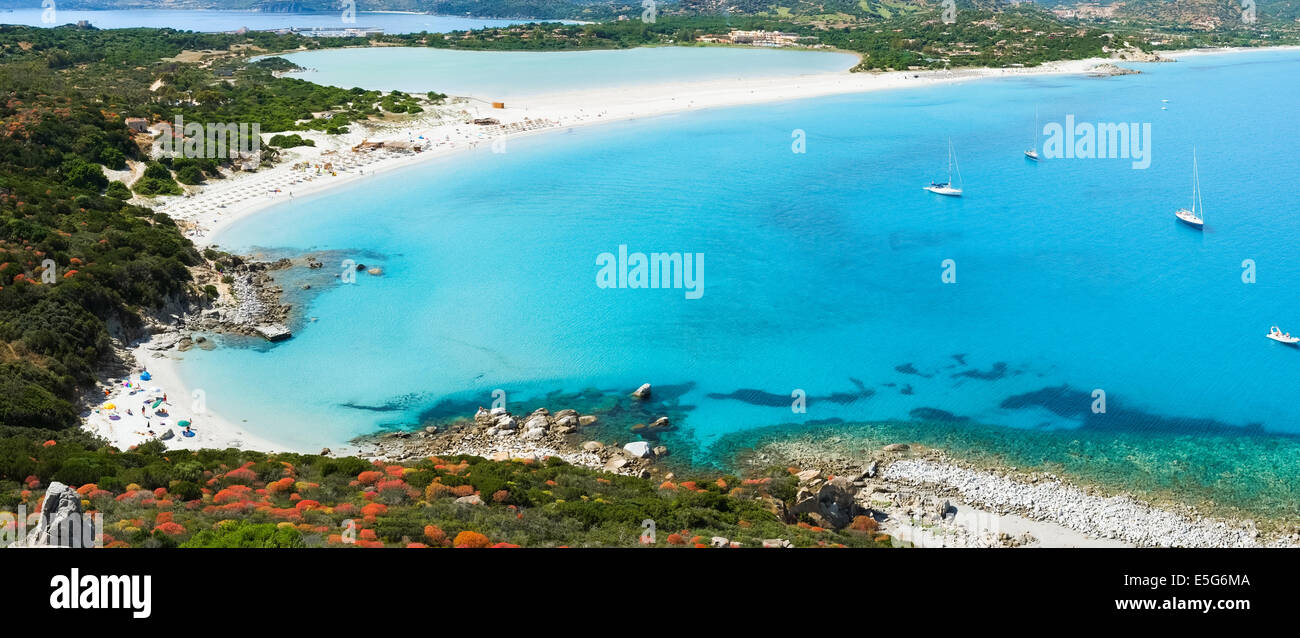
{"x":1194,"y":14}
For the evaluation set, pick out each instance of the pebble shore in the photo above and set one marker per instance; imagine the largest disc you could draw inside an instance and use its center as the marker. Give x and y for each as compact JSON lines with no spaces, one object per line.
{"x":1114,"y":517}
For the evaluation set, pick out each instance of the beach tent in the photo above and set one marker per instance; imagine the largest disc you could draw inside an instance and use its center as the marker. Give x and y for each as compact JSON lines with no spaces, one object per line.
{"x":145,"y":376}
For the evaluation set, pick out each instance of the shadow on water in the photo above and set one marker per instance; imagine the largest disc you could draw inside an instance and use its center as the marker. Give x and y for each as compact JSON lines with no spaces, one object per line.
{"x":1069,"y":403}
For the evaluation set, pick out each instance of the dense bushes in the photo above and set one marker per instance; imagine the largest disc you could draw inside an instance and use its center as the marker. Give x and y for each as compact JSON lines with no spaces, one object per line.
{"x":153,"y":497}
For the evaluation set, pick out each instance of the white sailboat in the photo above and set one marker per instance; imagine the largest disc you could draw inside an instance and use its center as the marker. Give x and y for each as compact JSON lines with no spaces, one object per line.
{"x":1195,"y":217}
{"x":1032,"y":153}
{"x":946,"y":188}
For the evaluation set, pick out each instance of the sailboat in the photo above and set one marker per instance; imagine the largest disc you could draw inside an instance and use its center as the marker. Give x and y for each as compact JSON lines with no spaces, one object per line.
{"x":1032,"y":153}
{"x":1195,"y":217}
{"x":946,"y":188}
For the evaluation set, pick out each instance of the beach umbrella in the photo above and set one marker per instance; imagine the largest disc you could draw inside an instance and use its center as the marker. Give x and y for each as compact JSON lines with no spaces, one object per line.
{"x":184,"y":424}
{"x":110,"y":406}
{"x":145,"y":376}
{"x":157,"y":403}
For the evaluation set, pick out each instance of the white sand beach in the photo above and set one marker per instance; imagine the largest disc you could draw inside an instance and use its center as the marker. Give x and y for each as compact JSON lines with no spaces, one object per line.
{"x":132,"y":417}
{"x":446,"y":129}
{"x":442,"y":130}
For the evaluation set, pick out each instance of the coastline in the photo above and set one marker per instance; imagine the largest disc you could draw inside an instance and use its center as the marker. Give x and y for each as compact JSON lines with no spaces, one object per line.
{"x":204,"y":212}
{"x":244,"y":195}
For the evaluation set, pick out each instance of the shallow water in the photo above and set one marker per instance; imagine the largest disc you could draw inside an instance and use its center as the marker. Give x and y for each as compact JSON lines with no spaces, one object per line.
{"x":823,"y":269}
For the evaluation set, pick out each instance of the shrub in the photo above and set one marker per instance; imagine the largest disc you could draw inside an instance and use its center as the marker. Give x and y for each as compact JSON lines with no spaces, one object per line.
{"x":470,"y":539}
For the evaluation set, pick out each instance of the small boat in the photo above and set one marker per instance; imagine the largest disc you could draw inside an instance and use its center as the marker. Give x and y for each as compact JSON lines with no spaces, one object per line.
{"x":1277,"y":335}
{"x":1195,"y":216}
{"x":946,"y":188}
{"x":1032,"y":153}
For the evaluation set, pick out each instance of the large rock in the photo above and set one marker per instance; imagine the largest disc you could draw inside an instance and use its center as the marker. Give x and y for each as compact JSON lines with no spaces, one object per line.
{"x":593,"y":446}
{"x":61,"y":521}
{"x":833,"y":501}
{"x":642,"y":392}
{"x":472,"y":499}
{"x":273,"y":331}
{"x":639,"y":449}
{"x":506,"y":422}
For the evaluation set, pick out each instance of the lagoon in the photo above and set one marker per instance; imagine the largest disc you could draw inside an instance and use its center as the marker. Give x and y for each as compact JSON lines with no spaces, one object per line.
{"x":824,"y":268}
{"x":513,"y":74}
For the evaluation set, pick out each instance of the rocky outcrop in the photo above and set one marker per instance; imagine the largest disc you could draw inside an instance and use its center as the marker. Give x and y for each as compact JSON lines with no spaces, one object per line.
{"x":830,"y":503}
{"x":61,"y":522}
{"x":1108,"y":70}
{"x":499,"y":435}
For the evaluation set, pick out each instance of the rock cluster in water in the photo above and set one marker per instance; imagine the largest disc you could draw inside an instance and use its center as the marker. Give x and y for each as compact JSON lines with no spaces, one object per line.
{"x":500,"y":435}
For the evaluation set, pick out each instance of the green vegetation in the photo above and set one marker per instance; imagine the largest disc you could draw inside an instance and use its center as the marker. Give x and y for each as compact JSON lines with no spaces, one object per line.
{"x":150,"y":497}
{"x":290,"y":141}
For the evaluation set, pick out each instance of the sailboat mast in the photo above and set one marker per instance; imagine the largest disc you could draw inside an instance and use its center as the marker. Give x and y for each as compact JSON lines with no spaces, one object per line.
{"x":950,"y":161}
{"x":1033,"y":137}
{"x":1196,"y":183}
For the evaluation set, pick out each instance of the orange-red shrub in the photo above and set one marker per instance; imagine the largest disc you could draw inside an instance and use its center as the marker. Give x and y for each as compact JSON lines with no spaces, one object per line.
{"x":471,"y":539}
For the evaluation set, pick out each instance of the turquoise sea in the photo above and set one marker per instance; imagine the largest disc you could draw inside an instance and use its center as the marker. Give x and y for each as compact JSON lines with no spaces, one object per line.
{"x":823,"y":269}
{"x":210,"y":21}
